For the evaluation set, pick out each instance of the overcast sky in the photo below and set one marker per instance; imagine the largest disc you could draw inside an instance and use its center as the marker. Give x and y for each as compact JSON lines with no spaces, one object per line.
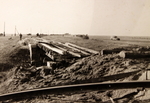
{"x":93,"y":17}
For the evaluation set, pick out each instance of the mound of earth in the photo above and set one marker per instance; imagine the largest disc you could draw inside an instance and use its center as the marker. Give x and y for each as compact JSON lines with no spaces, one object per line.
{"x":95,"y":68}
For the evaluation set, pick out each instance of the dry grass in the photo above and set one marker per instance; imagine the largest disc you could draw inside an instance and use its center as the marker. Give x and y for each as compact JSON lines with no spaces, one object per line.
{"x":101,"y":42}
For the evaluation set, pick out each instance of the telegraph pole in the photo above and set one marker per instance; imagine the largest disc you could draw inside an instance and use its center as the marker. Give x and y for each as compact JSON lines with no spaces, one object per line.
{"x":15,"y":30}
{"x":30,"y":30}
{"x":4,"y":28}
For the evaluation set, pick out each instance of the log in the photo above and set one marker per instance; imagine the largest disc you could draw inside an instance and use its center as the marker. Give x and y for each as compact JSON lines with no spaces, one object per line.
{"x":74,"y":54}
{"x":67,"y":51}
{"x":75,"y":49}
{"x":72,"y":48}
{"x":61,"y":48}
{"x":134,"y":54}
{"x":82,"y":48}
{"x":70,"y":52}
{"x":52,"y":48}
{"x":106,"y":51}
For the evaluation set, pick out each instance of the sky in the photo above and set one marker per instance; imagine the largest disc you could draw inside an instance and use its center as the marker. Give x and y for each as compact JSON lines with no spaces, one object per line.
{"x":93,"y":17}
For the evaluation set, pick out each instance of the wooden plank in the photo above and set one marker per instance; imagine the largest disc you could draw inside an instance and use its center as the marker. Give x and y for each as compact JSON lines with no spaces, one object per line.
{"x":78,"y":87}
{"x":74,"y":54}
{"x":82,"y":48}
{"x":75,"y":49}
{"x":70,"y":52}
{"x":53,"y":48}
{"x":61,"y":48}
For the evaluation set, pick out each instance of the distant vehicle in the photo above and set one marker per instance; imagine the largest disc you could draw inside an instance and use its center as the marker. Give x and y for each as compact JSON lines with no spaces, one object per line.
{"x":114,"y":38}
{"x":29,"y":34}
{"x":83,"y":36}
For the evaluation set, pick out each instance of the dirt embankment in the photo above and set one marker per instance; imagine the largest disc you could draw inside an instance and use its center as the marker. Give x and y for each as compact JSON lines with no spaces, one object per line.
{"x":13,"y":54}
{"x":95,"y":68}
{"x":91,"y":69}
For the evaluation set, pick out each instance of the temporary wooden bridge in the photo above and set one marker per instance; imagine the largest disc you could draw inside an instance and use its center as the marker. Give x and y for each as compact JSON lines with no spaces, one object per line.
{"x":54,"y":49}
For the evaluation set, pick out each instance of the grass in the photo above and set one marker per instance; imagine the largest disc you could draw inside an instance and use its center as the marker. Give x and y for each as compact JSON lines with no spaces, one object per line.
{"x":101,"y":42}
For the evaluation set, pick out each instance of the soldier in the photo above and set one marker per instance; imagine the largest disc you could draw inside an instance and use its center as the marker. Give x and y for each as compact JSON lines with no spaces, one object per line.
{"x":20,"y":36}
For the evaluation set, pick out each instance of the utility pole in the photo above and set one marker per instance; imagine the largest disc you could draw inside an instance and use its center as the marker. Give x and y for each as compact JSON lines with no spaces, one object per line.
{"x":15,"y":30}
{"x":40,"y":31}
{"x":30,"y":30}
{"x":4,"y":28}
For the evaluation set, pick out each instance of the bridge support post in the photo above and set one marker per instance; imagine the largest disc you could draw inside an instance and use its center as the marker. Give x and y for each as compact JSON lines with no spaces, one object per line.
{"x":30,"y":50}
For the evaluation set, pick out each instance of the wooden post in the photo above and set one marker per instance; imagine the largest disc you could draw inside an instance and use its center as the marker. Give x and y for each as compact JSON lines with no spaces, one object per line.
{"x":30,"y":50}
{"x":4,"y":28}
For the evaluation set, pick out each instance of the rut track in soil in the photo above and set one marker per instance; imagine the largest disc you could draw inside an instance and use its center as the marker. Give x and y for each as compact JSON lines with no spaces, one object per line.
{"x":78,"y":87}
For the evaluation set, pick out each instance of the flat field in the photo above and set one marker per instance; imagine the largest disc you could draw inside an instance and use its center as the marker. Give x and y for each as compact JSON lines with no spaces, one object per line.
{"x":103,"y":42}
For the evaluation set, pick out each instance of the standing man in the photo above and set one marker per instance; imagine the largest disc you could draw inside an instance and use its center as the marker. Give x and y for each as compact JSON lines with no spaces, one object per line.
{"x":20,"y":36}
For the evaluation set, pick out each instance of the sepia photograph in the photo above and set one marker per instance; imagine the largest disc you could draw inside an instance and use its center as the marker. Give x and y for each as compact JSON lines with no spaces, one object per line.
{"x":74,"y":51}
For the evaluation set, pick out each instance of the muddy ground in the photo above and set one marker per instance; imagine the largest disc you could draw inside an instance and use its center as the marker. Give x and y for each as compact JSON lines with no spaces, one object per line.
{"x":17,"y":72}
